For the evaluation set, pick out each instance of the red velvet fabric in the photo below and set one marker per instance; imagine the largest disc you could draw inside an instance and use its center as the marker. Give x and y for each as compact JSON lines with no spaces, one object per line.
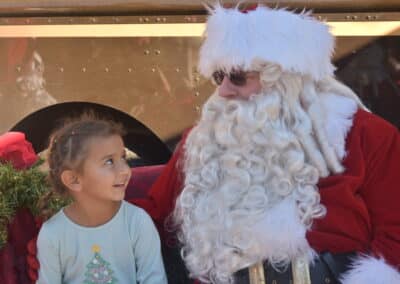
{"x":13,"y":265}
{"x":15,"y":149}
{"x":362,"y":203}
{"x":160,"y":200}
{"x":141,"y":180}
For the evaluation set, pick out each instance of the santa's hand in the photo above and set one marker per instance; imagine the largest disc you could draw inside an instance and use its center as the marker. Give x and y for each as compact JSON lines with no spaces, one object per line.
{"x":33,"y":263}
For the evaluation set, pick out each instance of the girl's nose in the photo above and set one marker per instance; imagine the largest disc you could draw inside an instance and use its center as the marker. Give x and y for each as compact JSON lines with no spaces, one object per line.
{"x":124,"y":168}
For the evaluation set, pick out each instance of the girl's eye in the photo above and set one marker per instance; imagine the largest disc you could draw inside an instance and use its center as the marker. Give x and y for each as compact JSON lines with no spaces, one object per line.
{"x":109,"y":162}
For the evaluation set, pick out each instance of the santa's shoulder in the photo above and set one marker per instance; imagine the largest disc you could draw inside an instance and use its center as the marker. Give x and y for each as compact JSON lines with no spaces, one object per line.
{"x":372,"y":129}
{"x":372,"y":123}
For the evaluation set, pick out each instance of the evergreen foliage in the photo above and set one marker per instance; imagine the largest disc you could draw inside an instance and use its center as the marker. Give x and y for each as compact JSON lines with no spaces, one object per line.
{"x":23,"y":189}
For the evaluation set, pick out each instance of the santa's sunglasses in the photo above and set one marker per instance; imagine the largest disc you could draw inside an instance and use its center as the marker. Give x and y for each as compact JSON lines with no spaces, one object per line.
{"x":237,"y":77}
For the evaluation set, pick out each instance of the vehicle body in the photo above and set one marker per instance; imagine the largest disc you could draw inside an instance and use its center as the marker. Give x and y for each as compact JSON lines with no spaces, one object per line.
{"x":138,"y":59}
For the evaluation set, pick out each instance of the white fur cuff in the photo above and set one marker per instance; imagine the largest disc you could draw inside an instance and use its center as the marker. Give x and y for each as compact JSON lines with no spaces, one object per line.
{"x":371,"y":270}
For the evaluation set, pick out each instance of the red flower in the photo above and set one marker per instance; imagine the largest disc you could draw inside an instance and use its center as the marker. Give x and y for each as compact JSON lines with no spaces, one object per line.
{"x":14,"y":148}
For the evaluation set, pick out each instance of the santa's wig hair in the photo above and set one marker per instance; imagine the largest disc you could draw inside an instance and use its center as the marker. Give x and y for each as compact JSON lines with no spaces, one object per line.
{"x":251,"y":166}
{"x":251,"y":169}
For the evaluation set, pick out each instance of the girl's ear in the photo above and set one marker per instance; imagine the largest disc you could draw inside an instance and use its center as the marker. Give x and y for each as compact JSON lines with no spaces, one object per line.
{"x":71,"y":180}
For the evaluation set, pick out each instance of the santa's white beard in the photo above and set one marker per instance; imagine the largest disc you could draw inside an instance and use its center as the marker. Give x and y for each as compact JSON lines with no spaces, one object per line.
{"x":249,"y":192}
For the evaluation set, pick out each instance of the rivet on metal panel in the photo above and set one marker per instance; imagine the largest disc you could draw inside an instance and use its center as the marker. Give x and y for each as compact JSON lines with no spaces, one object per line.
{"x":348,"y":17}
{"x":61,"y":69}
{"x":18,"y":68}
{"x":157,"y":52}
{"x":106,"y":69}
{"x":319,"y":18}
{"x":153,"y":70}
{"x":83,"y":69}
{"x":93,"y":20}
{"x":375,"y":17}
{"x":141,"y":20}
{"x":164,"y":19}
{"x":197,"y":94}
{"x":49,"y":21}
{"x":177,"y":69}
{"x":116,"y":20}
{"x":355,"y":17}
{"x":158,"y":19}
{"x":146,"y":20}
{"x":197,"y":79}
{"x":147,"y":52}
{"x":368,"y":17}
{"x":130,"y":70}
{"x":27,"y":21}
{"x":197,"y":108}
{"x":327,"y":280}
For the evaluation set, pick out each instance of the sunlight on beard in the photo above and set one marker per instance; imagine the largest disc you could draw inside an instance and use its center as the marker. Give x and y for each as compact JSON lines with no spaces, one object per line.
{"x":242,"y":160}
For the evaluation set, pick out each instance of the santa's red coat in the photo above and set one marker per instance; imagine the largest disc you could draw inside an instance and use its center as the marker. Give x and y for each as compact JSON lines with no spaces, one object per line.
{"x":362,"y":204}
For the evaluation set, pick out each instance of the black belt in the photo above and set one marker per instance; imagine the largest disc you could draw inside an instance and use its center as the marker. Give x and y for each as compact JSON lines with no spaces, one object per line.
{"x":325,"y":269}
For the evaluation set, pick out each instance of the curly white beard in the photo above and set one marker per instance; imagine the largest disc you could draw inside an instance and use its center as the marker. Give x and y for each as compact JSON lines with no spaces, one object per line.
{"x":250,"y":188}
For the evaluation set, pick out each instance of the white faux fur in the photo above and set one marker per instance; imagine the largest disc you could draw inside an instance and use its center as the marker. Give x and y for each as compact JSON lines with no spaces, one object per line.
{"x":371,"y":270}
{"x":338,"y":114}
{"x":297,"y":42}
{"x":281,"y":233}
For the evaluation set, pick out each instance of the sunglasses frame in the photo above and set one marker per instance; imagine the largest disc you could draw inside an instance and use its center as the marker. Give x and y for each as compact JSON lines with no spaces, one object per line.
{"x":236,"y":77}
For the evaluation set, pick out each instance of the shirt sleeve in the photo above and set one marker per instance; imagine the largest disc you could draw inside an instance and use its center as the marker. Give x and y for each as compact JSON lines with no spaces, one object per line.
{"x":147,"y":252}
{"x":49,"y":259}
{"x":381,"y":190}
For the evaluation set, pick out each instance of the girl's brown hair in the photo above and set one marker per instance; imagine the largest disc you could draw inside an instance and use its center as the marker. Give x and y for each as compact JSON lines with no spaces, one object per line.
{"x":68,"y":145}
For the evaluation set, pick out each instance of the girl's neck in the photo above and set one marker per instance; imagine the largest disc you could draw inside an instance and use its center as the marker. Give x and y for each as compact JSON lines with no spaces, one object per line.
{"x":92,"y":215}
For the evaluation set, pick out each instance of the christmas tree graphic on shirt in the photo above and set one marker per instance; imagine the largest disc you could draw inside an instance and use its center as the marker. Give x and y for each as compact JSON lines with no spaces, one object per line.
{"x":98,"y":270}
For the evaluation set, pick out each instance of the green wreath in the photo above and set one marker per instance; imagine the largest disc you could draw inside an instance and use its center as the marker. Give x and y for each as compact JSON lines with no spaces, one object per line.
{"x":25,"y":189}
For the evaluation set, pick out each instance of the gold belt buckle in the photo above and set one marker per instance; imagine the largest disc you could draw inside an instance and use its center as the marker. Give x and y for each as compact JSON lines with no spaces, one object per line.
{"x":301,"y":271}
{"x":256,"y":274}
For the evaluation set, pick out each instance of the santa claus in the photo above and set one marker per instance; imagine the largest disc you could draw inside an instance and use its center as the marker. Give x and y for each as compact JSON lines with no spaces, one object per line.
{"x":286,"y":176}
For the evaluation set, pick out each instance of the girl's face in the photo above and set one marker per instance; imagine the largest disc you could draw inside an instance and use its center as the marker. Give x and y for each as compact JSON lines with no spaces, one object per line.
{"x":105,"y":173}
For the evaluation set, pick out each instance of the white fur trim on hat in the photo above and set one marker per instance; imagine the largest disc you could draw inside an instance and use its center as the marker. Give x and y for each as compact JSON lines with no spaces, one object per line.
{"x":297,"y":42}
{"x":371,"y":270}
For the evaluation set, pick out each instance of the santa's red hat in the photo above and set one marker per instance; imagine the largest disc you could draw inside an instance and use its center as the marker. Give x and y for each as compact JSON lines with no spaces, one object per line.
{"x":297,"y":42}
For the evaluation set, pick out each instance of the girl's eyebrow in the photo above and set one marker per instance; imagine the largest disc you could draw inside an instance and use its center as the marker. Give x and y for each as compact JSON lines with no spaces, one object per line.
{"x":123,"y":153}
{"x":107,"y":156}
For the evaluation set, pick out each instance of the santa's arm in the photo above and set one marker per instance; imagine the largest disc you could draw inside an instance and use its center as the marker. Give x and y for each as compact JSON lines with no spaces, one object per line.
{"x":381,"y":193}
{"x":160,"y":200}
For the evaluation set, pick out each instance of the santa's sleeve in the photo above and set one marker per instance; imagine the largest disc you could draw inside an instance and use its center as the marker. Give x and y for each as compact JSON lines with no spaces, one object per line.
{"x":160,"y":200}
{"x":380,"y":144}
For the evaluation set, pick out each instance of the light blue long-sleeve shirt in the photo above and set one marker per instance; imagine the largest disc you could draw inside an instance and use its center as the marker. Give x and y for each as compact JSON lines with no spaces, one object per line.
{"x":124,"y":250}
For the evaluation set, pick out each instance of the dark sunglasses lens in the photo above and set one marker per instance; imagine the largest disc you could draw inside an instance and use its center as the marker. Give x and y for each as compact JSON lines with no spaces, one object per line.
{"x":218,"y":77}
{"x":238,"y":78}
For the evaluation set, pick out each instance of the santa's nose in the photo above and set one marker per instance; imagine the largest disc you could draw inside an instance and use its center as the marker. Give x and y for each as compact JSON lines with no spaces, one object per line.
{"x":227,"y":89}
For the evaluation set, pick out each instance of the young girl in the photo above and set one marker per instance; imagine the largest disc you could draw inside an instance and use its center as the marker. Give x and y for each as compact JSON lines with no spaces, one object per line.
{"x":98,"y":238}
